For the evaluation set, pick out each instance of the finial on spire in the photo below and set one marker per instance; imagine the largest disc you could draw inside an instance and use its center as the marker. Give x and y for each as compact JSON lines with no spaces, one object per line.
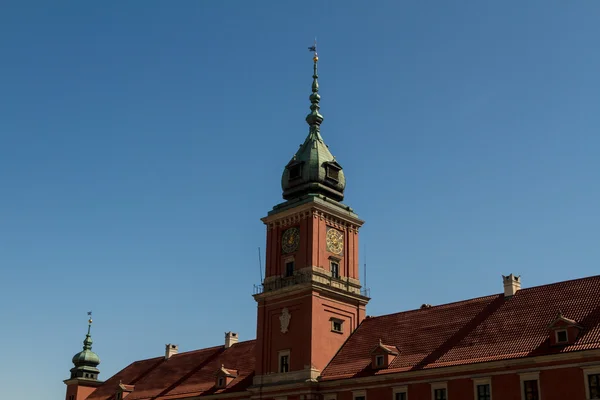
{"x":314,"y":119}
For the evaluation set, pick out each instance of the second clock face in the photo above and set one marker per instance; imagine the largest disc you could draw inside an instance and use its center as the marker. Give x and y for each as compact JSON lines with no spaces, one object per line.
{"x":335,"y":241}
{"x":290,"y":240}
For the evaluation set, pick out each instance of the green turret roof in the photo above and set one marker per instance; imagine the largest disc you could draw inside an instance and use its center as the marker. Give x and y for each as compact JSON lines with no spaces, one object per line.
{"x":86,"y":360}
{"x":313,"y":169}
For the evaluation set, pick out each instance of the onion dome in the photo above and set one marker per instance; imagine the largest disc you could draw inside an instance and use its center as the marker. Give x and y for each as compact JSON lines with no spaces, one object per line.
{"x":313,"y":169}
{"x":86,"y":361}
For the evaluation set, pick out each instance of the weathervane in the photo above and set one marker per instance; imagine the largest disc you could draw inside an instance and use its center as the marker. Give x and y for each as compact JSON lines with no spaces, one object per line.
{"x":90,"y":315}
{"x":313,"y":48}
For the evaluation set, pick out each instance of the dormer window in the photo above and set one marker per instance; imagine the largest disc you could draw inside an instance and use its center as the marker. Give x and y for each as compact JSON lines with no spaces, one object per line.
{"x":382,"y":355}
{"x":295,"y":171}
{"x":562,"y":336}
{"x":332,"y":169}
{"x":224,"y":377}
{"x":563,"y":331}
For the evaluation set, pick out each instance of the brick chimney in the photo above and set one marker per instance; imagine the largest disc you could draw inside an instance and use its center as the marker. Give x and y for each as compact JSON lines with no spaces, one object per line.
{"x":171,"y":350}
{"x":231,"y":338}
{"x":512,"y":284}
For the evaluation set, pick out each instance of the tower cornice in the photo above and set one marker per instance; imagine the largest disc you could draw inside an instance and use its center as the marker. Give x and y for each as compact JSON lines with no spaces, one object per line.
{"x":334,"y":213}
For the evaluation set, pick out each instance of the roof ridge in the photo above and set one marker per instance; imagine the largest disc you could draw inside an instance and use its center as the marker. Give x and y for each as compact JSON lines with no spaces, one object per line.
{"x":212,"y":348}
{"x":487,"y":296}
{"x":585,"y":278}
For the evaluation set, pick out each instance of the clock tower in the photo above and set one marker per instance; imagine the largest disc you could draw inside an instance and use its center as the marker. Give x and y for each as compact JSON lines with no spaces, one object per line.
{"x":311,"y":299}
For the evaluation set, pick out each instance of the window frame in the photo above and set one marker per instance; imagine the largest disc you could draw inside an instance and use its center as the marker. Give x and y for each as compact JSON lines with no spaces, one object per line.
{"x":587,"y":371}
{"x":566,"y":332}
{"x":330,"y":396}
{"x":337,"y":269}
{"x":530,"y":376}
{"x":357,"y":394}
{"x":338,"y":321}
{"x":399,"y":390}
{"x":287,"y":273}
{"x":438,"y":386}
{"x":377,"y":358}
{"x":479,"y":382}
{"x":280,"y":355}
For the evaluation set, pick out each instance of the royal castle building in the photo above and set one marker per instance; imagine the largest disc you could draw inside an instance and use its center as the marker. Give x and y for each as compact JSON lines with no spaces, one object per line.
{"x":314,"y":341}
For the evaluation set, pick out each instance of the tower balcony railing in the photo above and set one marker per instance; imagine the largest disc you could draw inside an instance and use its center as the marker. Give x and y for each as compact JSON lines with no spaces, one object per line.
{"x":300,"y":278}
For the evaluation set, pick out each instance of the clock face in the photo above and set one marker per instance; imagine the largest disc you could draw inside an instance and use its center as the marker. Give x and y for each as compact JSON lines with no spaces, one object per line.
{"x":290,"y":240}
{"x":335,"y":241}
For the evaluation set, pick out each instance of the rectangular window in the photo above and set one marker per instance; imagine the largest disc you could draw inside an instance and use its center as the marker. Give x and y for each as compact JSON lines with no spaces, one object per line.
{"x":439,"y":394}
{"x":400,"y":396}
{"x":336,"y":325}
{"x":295,"y":171}
{"x":594,"y":386}
{"x":561,"y":336}
{"x":531,"y":390}
{"x":379,"y":361}
{"x":284,"y":363}
{"x":360,"y":398}
{"x":483,"y":392}
{"x":289,"y":268}
{"x":335,"y":270}
{"x":333,"y":173}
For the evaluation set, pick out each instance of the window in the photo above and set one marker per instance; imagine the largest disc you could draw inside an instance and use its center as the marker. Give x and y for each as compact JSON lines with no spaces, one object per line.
{"x":289,"y":268}
{"x":379,"y":360}
{"x":530,"y":389}
{"x":335,"y":270}
{"x":483,"y":392}
{"x":119,"y":395}
{"x":439,"y":394}
{"x":359,"y":395}
{"x":284,"y":361}
{"x":594,"y":386}
{"x":333,"y":172}
{"x":400,"y":396}
{"x":295,"y":171}
{"x":337,"y":325}
{"x":562,"y":336}
{"x":221,"y":382}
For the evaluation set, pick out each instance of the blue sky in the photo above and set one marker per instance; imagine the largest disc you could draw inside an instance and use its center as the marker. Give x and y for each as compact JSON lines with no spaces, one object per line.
{"x":141,"y":142}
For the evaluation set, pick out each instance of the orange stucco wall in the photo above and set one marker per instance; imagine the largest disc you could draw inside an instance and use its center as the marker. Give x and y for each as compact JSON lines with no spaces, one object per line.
{"x":80,"y":392}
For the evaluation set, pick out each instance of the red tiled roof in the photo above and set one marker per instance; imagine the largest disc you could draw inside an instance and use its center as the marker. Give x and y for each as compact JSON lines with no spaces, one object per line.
{"x":477,"y":330}
{"x":182,"y":375}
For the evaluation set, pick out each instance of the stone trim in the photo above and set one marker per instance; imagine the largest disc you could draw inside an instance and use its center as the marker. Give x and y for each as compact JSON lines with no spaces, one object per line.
{"x":482,"y":381}
{"x":310,"y":374}
{"x":530,"y":376}
{"x":587,"y":371}
{"x":439,"y":385}
{"x":518,"y":365}
{"x":399,"y":389}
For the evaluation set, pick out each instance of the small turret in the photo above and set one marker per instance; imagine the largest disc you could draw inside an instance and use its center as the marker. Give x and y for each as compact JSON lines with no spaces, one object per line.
{"x":84,"y":374}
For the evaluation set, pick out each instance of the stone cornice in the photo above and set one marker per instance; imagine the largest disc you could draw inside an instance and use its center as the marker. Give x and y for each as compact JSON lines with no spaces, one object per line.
{"x":83,"y":382}
{"x":317,"y":208}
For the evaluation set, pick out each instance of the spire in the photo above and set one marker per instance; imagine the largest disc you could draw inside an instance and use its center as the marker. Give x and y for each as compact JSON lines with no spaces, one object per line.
{"x":87,"y":343}
{"x":313,"y":170}
{"x":86,"y":361}
{"x":314,"y":119}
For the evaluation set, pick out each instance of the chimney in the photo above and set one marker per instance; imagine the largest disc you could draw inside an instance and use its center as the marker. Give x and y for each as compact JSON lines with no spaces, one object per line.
{"x":231,"y":338}
{"x":171,"y":350}
{"x":512,"y":284}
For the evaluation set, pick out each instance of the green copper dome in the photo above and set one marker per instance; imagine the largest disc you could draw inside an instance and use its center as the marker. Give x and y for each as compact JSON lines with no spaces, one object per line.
{"x":86,"y":361}
{"x":313,"y":169}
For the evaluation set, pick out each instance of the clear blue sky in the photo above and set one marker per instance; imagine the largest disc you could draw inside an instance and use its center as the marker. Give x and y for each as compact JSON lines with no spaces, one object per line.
{"x":141,"y":141}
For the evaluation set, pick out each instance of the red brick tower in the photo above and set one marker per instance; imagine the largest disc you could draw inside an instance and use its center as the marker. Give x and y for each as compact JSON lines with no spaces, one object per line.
{"x":310,"y":300}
